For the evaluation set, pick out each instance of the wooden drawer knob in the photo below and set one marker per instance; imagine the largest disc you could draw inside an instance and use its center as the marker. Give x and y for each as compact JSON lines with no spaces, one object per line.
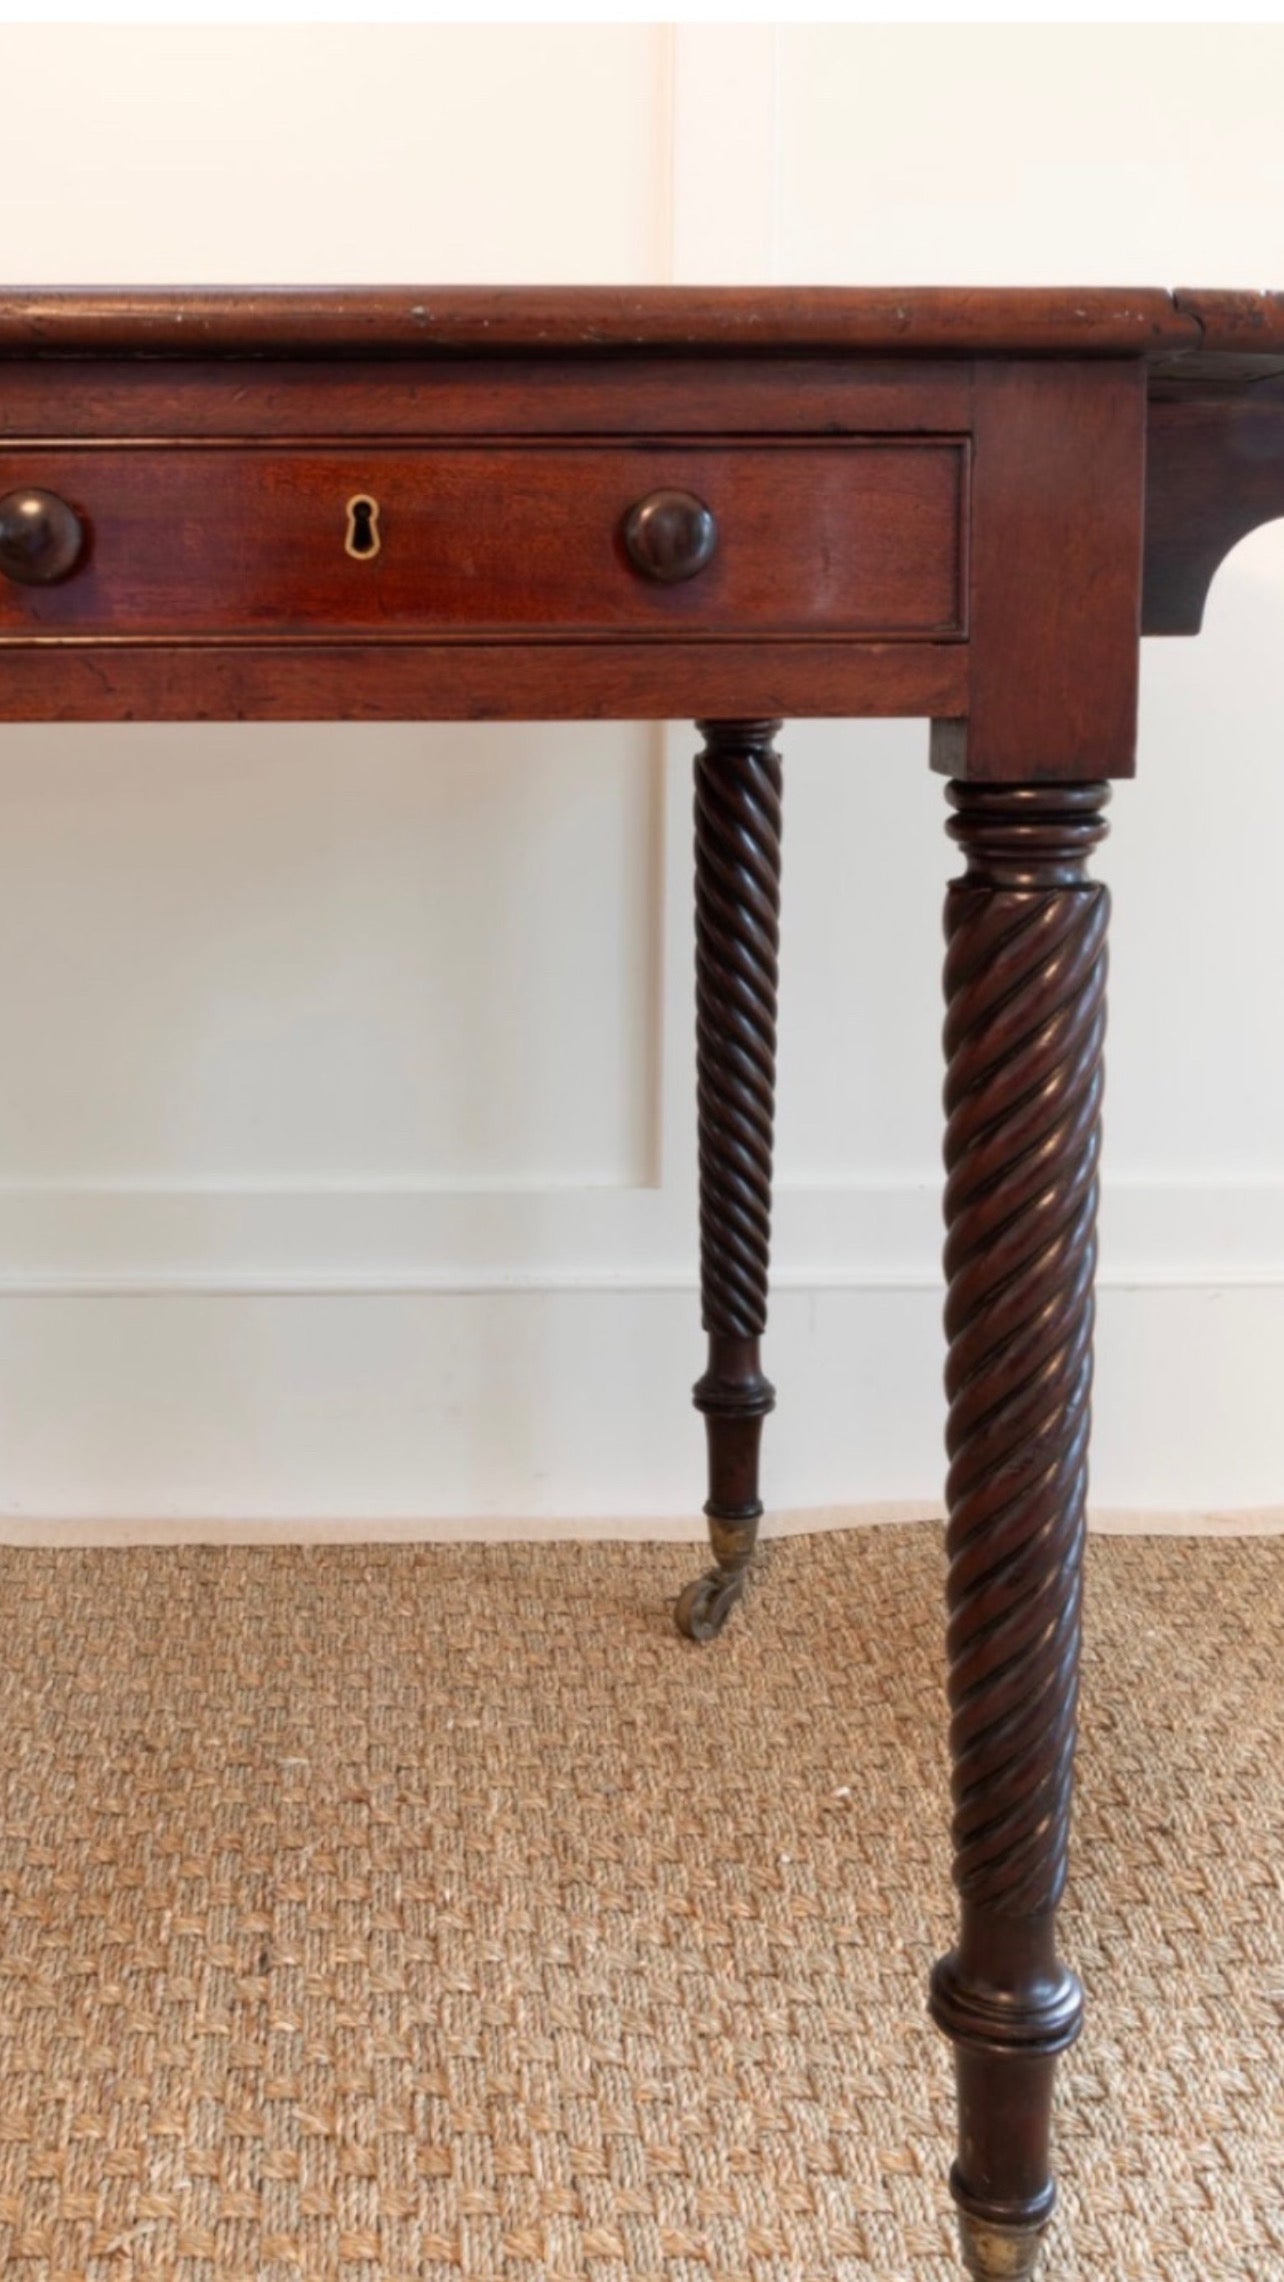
{"x":670,"y":536}
{"x":41,"y":537}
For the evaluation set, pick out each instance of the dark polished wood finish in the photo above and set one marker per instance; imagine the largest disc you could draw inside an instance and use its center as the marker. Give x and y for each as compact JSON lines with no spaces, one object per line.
{"x":1072,"y":431}
{"x":406,"y":320}
{"x":41,"y":538}
{"x":545,"y":540}
{"x":1215,"y":473}
{"x":1025,"y":982}
{"x":737,"y":926}
{"x":734,"y":506}
{"x":670,"y":536}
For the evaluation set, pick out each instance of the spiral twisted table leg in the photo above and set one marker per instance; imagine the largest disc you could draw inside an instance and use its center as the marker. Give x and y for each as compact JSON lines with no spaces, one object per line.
{"x":737,"y":889}
{"x":1025,"y":988}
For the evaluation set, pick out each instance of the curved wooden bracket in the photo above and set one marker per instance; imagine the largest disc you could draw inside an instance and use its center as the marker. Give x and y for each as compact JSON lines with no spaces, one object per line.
{"x":1214,"y":472}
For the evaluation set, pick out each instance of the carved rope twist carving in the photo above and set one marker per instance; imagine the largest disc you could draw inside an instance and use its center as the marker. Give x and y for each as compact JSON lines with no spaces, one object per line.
{"x":1025,"y":986}
{"x":737,"y":828}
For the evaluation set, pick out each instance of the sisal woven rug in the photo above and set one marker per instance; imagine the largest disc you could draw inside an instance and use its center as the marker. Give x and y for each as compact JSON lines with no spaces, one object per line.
{"x":435,"y":1912}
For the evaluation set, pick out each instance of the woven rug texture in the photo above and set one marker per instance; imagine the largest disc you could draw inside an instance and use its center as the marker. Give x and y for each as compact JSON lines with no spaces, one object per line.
{"x":435,"y":1912}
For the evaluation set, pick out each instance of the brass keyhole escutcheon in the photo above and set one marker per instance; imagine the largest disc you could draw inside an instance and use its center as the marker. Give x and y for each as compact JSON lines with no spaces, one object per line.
{"x":363,"y":541}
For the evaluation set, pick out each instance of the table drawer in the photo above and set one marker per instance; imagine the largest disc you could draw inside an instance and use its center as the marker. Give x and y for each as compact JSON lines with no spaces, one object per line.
{"x":230,"y":542}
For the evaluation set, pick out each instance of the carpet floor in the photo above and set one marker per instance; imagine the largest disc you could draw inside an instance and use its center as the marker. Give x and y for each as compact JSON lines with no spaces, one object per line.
{"x":435,"y":1912}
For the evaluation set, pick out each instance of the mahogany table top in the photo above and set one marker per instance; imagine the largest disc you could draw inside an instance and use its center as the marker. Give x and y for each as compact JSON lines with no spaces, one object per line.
{"x":1184,"y":332}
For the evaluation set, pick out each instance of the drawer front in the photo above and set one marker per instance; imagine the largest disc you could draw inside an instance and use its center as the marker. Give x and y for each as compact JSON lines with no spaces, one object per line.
{"x":222,"y":542}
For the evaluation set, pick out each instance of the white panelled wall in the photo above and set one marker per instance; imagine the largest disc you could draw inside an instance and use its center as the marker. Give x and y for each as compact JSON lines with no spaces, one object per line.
{"x":347,"y":1123}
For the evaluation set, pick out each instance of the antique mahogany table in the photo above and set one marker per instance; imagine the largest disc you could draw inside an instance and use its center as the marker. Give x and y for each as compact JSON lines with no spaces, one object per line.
{"x":406,"y":504}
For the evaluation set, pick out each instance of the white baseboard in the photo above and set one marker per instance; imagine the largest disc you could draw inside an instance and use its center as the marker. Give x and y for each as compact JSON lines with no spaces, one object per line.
{"x":546,"y":1414}
{"x":546,"y":1529}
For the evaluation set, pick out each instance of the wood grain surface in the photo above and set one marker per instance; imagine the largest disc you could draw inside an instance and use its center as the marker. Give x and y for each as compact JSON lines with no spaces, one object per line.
{"x":862,"y":539}
{"x":413,"y":319}
{"x":1055,"y":573}
{"x":400,"y":319}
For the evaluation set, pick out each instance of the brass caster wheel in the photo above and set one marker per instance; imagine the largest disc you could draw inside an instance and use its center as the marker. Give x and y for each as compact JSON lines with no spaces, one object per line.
{"x":704,"y":1605}
{"x":998,"y":2254}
